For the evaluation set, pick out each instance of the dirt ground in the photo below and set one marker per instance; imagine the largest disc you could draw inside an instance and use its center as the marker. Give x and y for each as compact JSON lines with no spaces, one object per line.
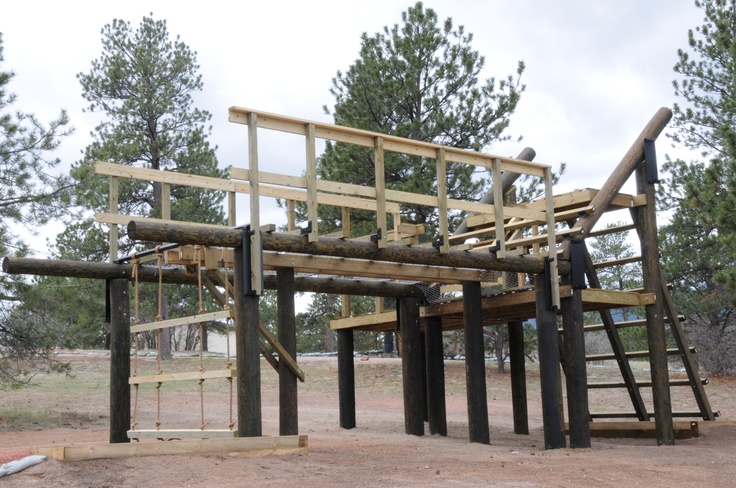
{"x":64,"y":411}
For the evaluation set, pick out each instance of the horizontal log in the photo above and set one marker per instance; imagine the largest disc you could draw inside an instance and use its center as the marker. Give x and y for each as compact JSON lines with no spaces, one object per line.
{"x":106,"y":271}
{"x":347,"y":248}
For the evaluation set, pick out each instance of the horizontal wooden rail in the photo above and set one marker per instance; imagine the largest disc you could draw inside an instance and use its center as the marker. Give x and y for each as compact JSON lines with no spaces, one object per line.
{"x":182,"y":434}
{"x":624,"y":324}
{"x":396,"y":144}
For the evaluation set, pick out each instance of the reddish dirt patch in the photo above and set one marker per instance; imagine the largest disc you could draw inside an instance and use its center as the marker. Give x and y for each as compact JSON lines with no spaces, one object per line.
{"x":377,"y":452}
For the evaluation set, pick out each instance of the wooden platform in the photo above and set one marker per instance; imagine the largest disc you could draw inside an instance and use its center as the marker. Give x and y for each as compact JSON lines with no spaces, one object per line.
{"x":239,"y":446}
{"x":517,"y":304}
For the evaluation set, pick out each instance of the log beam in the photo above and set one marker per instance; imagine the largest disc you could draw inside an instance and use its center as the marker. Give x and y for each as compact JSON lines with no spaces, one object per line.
{"x":346,"y":248}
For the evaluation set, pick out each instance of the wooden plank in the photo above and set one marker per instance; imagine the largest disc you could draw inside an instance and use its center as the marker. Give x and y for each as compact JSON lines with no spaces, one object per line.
{"x":551,"y":245}
{"x":617,"y":262}
{"x":312,"y":201}
{"x":379,"y":174}
{"x":634,"y":355}
{"x":391,"y":143}
{"x":188,"y":375}
{"x":169,"y":177}
{"x":192,"y":319}
{"x":615,"y":297}
{"x":182,"y":434}
{"x":363,"y":320}
{"x":441,"y":169}
{"x":256,"y":275}
{"x":114,"y":233}
{"x":641,"y":384}
{"x":120,"y":219}
{"x":372,"y":269}
{"x":639,"y":429}
{"x":246,"y":446}
{"x":500,"y":240}
{"x":283,"y":355}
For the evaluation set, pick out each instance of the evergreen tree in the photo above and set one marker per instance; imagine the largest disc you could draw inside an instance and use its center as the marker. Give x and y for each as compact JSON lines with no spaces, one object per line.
{"x":29,"y":196}
{"x":142,"y":85}
{"x":418,"y":80}
{"x":700,"y":252}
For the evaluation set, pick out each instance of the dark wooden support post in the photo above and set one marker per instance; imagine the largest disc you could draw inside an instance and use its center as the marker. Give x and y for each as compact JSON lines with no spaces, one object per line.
{"x":247,"y":340}
{"x":475,"y":364}
{"x":346,"y":378}
{"x":575,"y":370}
{"x":288,"y":405}
{"x":119,"y":360}
{"x":645,"y":218}
{"x":518,"y":377}
{"x":423,"y":355}
{"x":436,"y":407}
{"x":411,"y":362}
{"x":549,"y":361}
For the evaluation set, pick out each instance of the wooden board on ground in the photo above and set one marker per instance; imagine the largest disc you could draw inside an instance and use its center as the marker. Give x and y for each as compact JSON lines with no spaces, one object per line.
{"x":683,"y":429}
{"x":239,"y":446}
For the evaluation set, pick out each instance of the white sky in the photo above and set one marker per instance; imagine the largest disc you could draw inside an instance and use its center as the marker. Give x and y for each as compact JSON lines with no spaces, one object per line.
{"x":596,"y":70}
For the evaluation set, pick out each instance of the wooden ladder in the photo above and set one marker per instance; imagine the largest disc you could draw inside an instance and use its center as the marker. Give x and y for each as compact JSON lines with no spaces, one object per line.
{"x":622,"y":358}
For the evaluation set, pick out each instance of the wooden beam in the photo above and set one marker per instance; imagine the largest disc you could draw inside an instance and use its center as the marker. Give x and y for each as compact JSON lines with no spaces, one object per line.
{"x":177,"y":434}
{"x":254,"y":446}
{"x":391,"y":143}
{"x":435,"y":372}
{"x":518,"y":377}
{"x":475,"y":366}
{"x":193,"y":319}
{"x":288,"y":400}
{"x":119,"y":360}
{"x":576,"y":375}
{"x":280,"y":242}
{"x":411,"y":366}
{"x":346,"y":378}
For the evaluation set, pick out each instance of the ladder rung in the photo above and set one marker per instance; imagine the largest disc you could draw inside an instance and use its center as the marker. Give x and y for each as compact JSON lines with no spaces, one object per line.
{"x":194,"y":319}
{"x":624,"y":324}
{"x":640,"y":384}
{"x":183,"y":433}
{"x":632,"y":355}
{"x":189,"y":375}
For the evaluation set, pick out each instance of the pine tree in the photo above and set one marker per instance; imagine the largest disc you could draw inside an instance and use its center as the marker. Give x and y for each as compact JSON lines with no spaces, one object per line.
{"x":418,"y":80}
{"x":699,"y":245}
{"x":30,"y":195}
{"x":142,"y":85}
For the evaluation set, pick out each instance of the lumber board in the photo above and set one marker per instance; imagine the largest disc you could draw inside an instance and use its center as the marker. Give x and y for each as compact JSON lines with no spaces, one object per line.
{"x":283,"y":355}
{"x":639,"y":429}
{"x":182,"y":434}
{"x":192,"y":319}
{"x":365,"y":138}
{"x":633,"y":355}
{"x":363,"y":320}
{"x":641,"y":384}
{"x":188,"y":375}
{"x":245,"y":446}
{"x":615,"y":297}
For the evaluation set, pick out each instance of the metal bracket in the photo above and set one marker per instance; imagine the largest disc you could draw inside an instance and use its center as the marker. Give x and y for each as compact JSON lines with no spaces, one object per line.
{"x":577,"y":264}
{"x":650,"y":159}
{"x":108,"y":303}
{"x":377,"y":236}
{"x":548,"y":289}
{"x":439,"y":242}
{"x":307,"y":229}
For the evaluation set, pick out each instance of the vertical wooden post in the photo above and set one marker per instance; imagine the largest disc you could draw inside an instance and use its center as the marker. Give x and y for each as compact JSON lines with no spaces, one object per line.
{"x":378,"y":163}
{"x":311,"y":175}
{"x":518,"y":377}
{"x":475,"y":364}
{"x":288,"y":405}
{"x":247,"y":353}
{"x":436,"y":407}
{"x":231,"y":208}
{"x":255,"y":216}
{"x":575,"y":370}
{"x":346,"y":378}
{"x":119,"y":360}
{"x":498,"y":207}
{"x":411,"y":366}
{"x":442,"y":201}
{"x":549,"y":361}
{"x":114,"y":231}
{"x":646,"y":225}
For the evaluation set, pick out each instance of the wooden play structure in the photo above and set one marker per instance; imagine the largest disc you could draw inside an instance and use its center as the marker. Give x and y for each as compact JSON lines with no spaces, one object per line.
{"x":505,"y":264}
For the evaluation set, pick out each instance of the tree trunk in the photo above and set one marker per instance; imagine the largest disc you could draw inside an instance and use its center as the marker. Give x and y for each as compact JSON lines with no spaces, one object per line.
{"x":499,"y":348}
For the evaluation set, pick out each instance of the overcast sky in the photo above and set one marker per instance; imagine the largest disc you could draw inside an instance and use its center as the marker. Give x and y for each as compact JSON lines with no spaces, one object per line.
{"x":597,"y":71}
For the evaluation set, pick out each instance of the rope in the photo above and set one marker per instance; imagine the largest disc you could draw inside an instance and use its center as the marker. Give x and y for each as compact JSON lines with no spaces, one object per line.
{"x":198,"y":259}
{"x":228,"y":322}
{"x":136,"y":321}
